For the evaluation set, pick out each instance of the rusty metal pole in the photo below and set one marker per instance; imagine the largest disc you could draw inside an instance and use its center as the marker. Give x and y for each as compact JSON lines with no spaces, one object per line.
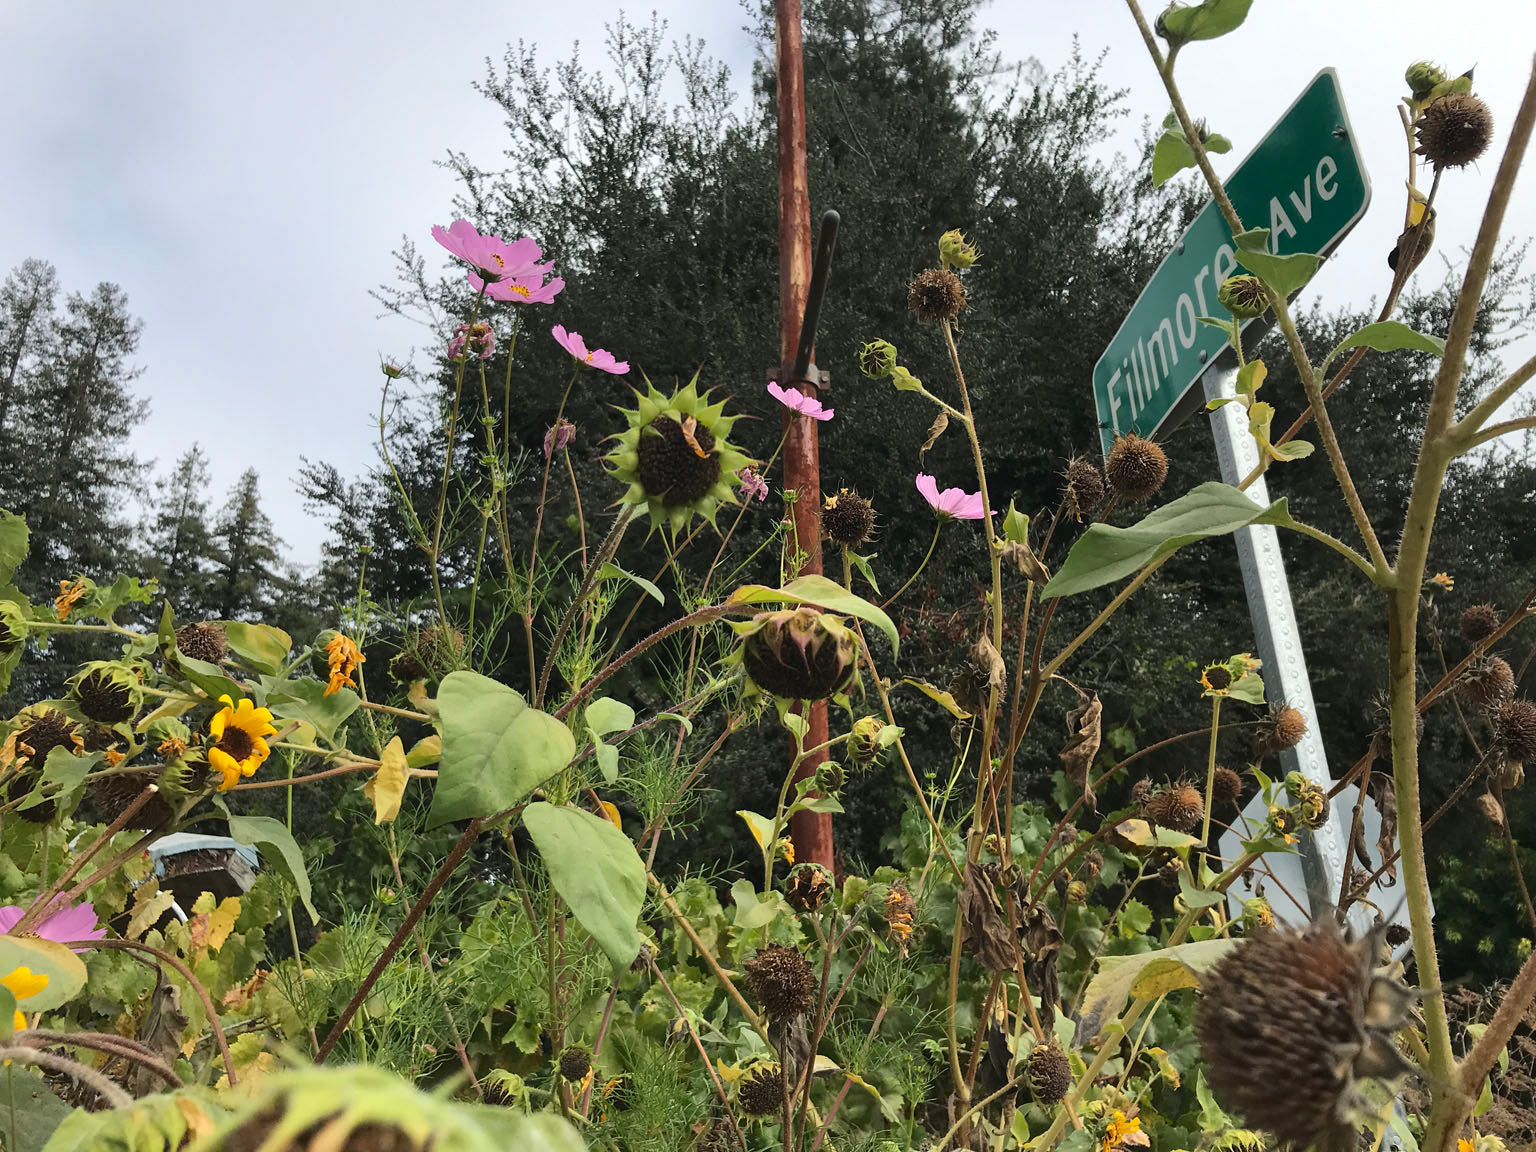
{"x":811,"y":832}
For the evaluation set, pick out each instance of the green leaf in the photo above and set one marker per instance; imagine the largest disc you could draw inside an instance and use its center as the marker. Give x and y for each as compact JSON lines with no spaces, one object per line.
{"x":1172,"y":153}
{"x":279,"y":847}
{"x":822,"y":593}
{"x":1292,"y":450}
{"x":826,"y":804}
{"x":1285,"y":274}
{"x":1120,"y":977}
{"x":63,"y":772}
{"x":13,"y":544}
{"x":65,"y":970}
{"x":7,"y":1012}
{"x":1016,"y":525}
{"x":1135,"y":919}
{"x":1250,"y":378}
{"x":760,"y":826}
{"x":41,"y":1116}
{"x":611,"y":571}
{"x":1140,"y":834}
{"x":208,"y":677}
{"x":261,"y":646}
{"x":496,"y":749}
{"x":597,"y":872}
{"x":864,"y":569}
{"x":1204,"y":22}
{"x":605,"y":716}
{"x":1484,"y":1098}
{"x":1104,"y":554}
{"x":1386,"y":336}
{"x":1197,"y":897}
{"x":306,"y":700}
{"x":754,"y":911}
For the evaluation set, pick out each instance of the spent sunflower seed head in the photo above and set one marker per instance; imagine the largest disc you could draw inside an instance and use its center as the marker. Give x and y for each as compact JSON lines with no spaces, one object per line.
{"x":1480,"y":622}
{"x":936,"y":294}
{"x":1136,"y":467}
{"x":1455,"y":130}
{"x":1049,"y":1072}
{"x":782,"y":981}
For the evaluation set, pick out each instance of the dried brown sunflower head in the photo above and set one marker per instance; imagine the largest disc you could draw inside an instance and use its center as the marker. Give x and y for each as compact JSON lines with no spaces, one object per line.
{"x":1514,"y":731}
{"x":1227,"y":787}
{"x":1136,"y":467}
{"x":808,"y":887}
{"x":1289,"y":1023}
{"x":782,"y":981}
{"x":1049,"y":1072}
{"x":205,"y":642}
{"x":575,"y":1063}
{"x":1486,"y":681}
{"x":761,"y":1092}
{"x":1480,"y":622}
{"x":1455,"y":130}
{"x":1085,"y":487}
{"x":936,"y":294}
{"x":1280,"y":731}
{"x":1180,"y":807}
{"x":848,"y":519}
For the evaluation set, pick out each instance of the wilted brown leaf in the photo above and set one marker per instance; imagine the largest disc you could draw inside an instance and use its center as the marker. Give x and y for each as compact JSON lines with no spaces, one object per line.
{"x":1085,"y":725}
{"x":935,"y":430}
{"x":981,"y":919}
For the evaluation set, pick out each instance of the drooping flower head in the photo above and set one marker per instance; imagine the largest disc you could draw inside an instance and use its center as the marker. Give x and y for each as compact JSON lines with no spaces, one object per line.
{"x":491,"y":255}
{"x":342,"y":656}
{"x":526,"y":287}
{"x":952,"y":503}
{"x":64,"y":923}
{"x":71,"y":592}
{"x":675,"y":456}
{"x":560,"y":434}
{"x":599,"y":358}
{"x":23,"y":983}
{"x":752,"y":484}
{"x":797,"y":401}
{"x":239,"y":746}
{"x":477,"y":338}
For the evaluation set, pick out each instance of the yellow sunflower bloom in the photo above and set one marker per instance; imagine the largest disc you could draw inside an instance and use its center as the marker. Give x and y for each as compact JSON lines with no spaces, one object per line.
{"x":71,"y":592}
{"x":239,"y":747}
{"x":23,"y":983}
{"x":1443,"y":580}
{"x":343,"y":656}
{"x":1123,"y":1133}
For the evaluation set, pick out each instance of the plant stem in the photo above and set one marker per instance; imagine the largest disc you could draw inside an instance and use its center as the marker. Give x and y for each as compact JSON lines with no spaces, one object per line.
{"x":938,"y":525}
{"x":1210,"y":771}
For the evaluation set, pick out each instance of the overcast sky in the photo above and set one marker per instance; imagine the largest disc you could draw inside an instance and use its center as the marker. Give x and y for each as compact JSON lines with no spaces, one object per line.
{"x":244,"y":171}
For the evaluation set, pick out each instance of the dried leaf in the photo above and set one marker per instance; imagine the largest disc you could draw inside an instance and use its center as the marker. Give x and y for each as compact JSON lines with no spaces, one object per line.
{"x":1042,"y":949}
{"x":690,"y":427}
{"x":935,"y":430}
{"x":388,"y":784}
{"x":1022,"y":558}
{"x":1085,"y":725}
{"x":1492,"y":810}
{"x":1386,"y":804}
{"x":981,"y":920}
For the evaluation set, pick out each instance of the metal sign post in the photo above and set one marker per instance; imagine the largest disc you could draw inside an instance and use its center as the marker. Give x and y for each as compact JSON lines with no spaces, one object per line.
{"x":1306,"y":183}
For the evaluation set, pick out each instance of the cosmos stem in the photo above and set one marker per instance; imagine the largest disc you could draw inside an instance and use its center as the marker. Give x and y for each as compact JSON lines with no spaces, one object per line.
{"x":1210,"y":772}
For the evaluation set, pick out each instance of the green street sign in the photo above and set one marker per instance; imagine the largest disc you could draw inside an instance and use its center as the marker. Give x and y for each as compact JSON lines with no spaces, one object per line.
{"x":1306,"y":183}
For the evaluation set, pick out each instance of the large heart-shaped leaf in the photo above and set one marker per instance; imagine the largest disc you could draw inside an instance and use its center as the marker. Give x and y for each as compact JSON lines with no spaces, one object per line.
{"x":821,"y":593}
{"x":1145,"y":975}
{"x":496,"y":749}
{"x":1285,"y":274}
{"x":261,"y":646}
{"x":306,"y":700}
{"x":1104,"y":554}
{"x":597,"y":872}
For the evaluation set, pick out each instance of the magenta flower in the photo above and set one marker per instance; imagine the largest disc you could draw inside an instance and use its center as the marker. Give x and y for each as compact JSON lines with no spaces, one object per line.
{"x":526,"y":287}
{"x":752,"y":484}
{"x":952,"y":503}
{"x":560,"y":434}
{"x":492,"y":255}
{"x":477,"y":338}
{"x":599,"y":358}
{"x":796,"y":400}
{"x":66,"y":923}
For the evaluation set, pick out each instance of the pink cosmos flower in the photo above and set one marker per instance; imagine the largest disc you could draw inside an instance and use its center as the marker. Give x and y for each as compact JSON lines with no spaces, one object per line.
{"x":477,"y":338}
{"x":560,"y":434}
{"x":599,"y":358}
{"x":796,"y":400}
{"x":952,"y":503}
{"x":526,"y":287}
{"x":752,"y":484}
{"x":492,"y":255}
{"x":66,"y":923}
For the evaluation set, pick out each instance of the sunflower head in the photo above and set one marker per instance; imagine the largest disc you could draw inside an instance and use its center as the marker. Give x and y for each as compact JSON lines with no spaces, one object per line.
{"x":1480,"y":622}
{"x":761,"y":1092}
{"x":798,"y":653}
{"x":847,"y":519}
{"x":107,"y":691}
{"x":239,"y":747}
{"x":1136,"y":467}
{"x":782,"y":981}
{"x":1290,"y":1022}
{"x":676,"y":456}
{"x":1179,"y":806}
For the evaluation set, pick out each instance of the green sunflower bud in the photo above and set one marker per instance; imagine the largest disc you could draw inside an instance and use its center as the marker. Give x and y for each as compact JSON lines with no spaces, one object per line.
{"x":13,"y":627}
{"x":1422,"y":76}
{"x":1243,"y":296}
{"x":877,"y":359}
{"x":830,"y":777}
{"x":864,"y":744}
{"x":955,"y":251}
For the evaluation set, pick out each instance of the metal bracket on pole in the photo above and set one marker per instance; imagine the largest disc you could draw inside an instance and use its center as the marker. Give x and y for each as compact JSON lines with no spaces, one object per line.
{"x":1274,"y":626}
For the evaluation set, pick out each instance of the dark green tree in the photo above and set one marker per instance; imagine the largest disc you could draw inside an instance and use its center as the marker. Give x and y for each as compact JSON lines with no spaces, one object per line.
{"x":176,"y":536}
{"x":247,"y":582}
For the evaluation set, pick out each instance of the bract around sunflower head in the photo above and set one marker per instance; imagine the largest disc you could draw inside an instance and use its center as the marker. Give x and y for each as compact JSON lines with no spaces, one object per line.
{"x":676,"y":457}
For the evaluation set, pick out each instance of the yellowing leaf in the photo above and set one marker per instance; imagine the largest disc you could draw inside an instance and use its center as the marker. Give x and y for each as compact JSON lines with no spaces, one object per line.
{"x":612,"y":812}
{"x":1161,"y":977}
{"x":388,"y":784}
{"x":944,"y":699}
{"x":222,"y":921}
{"x":1164,"y":1065}
{"x":149,"y":904}
{"x":761,"y":826}
{"x":427,"y":750}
